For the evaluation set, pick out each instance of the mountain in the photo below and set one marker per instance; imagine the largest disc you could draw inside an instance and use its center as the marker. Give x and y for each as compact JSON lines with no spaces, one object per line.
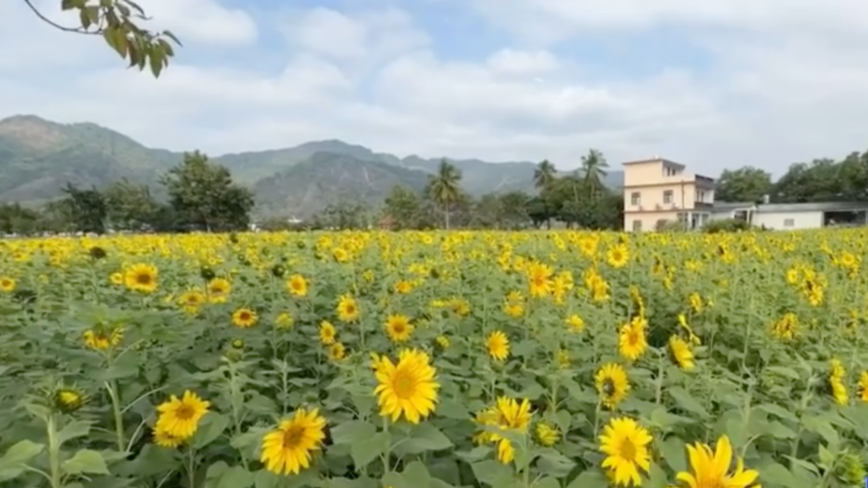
{"x":38,"y":157}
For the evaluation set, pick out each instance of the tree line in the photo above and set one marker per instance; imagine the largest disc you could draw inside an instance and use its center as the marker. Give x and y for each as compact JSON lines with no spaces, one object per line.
{"x":821,"y":180}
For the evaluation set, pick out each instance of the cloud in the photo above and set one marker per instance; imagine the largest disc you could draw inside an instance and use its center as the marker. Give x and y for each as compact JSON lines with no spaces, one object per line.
{"x":712,"y":84}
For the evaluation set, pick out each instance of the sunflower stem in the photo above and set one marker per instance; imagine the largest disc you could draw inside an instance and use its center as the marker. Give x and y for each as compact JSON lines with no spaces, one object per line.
{"x":118,"y":414}
{"x":387,"y":456}
{"x":658,"y":395}
{"x":191,"y":467}
{"x":53,"y":452}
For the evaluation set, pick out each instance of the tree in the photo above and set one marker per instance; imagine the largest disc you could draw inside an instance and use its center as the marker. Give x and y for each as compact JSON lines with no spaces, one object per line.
{"x":444,"y":188}
{"x":404,"y":208}
{"x":15,"y":219}
{"x":204,"y":197}
{"x":544,"y":174}
{"x":88,"y":209}
{"x":747,"y":184}
{"x":130,"y":205}
{"x":593,"y":170}
{"x":118,"y":22}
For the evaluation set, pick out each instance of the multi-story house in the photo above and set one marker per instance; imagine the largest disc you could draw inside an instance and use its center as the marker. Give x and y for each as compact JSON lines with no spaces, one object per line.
{"x":657,"y":191}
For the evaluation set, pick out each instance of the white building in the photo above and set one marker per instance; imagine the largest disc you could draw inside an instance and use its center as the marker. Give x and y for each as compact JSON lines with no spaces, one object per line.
{"x":786,"y":216}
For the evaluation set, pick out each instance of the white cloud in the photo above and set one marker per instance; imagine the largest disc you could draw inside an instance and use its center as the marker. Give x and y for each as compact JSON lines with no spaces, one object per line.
{"x":783,"y":83}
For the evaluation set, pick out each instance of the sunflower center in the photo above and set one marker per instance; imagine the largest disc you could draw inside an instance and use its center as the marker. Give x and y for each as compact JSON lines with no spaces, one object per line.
{"x":628,"y":450}
{"x":608,"y":387}
{"x":292,"y":436}
{"x":185,"y":412}
{"x":143,"y":279}
{"x":633,"y":337}
{"x":244,"y":316}
{"x":398,"y":328}
{"x":404,"y":385}
{"x":351,"y":309}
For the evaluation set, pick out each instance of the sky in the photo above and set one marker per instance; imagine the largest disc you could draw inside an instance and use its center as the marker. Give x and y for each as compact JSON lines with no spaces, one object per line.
{"x":711,"y":84}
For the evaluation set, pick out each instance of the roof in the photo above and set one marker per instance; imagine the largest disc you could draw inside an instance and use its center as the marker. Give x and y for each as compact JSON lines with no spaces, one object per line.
{"x":654,"y":160}
{"x":790,"y":207}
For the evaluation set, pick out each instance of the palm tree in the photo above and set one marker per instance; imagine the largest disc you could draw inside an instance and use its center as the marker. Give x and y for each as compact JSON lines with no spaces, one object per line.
{"x":445,"y":187}
{"x":594,"y":168}
{"x":544,"y":174}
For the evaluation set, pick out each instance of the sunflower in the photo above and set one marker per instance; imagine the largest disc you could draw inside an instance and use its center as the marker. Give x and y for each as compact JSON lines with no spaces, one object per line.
{"x":116,"y":278}
{"x":284,"y":321}
{"x":612,"y":384}
{"x":710,"y":468}
{"x":575,"y":322}
{"x":141,"y":277}
{"x":164,"y":438}
{"x":287,"y":449}
{"x":327,"y":332}
{"x":191,"y":301}
{"x":244,"y":318}
{"x":408,"y":388}
{"x":403,"y":287}
{"x":100,"y":340}
{"x":498,"y":345}
{"x":506,"y":414}
{"x":348,"y":308}
{"x":179,"y":418}
{"x":399,"y":328}
{"x":632,"y":342}
{"x":546,"y":434}
{"x":218,"y":290}
{"x":539,"y":277}
{"x":625,"y":444}
{"x":68,"y":400}
{"x":7,"y":284}
{"x":297,"y":285}
{"x":681,"y":353}
{"x":617,"y":256}
{"x":442,"y":341}
{"x":863,"y":386}
{"x":337,"y":351}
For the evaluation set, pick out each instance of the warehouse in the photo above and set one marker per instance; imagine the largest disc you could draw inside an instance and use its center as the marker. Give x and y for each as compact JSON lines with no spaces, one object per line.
{"x":792,"y":216}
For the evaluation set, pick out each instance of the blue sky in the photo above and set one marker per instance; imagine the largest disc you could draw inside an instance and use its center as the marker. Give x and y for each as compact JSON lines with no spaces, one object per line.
{"x":714,"y":84}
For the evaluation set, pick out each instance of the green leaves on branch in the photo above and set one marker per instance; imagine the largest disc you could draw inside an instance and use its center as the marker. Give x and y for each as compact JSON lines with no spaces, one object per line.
{"x":118,"y":21}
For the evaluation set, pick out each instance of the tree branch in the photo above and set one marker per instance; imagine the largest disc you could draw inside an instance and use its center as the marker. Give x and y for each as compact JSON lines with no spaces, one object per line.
{"x":77,"y":30}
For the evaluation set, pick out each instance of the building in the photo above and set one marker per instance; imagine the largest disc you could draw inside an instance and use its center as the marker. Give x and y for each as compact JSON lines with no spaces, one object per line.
{"x":793,"y":216}
{"x":657,"y":191}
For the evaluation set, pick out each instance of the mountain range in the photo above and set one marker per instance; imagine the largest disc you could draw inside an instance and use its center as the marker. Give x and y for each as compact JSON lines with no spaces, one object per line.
{"x":38,"y":157}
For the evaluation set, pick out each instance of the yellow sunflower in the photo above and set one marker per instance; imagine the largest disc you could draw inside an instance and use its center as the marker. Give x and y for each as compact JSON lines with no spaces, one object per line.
{"x":348,"y":308}
{"x":710,"y":468}
{"x":863,"y":386}
{"x":575,"y":322}
{"x":327,"y":332}
{"x":218,"y":290}
{"x":117,"y":278}
{"x":297,"y":285}
{"x":179,"y":417}
{"x":632,"y":342}
{"x":612,"y":384}
{"x":539,"y":277}
{"x":100,"y":340}
{"x":287,"y":450}
{"x":625,"y":444}
{"x":617,"y":256}
{"x":7,"y":284}
{"x":165,"y":438}
{"x":244,"y":318}
{"x":284,"y":321}
{"x":547,"y":435}
{"x":403,"y":287}
{"x":68,"y":400}
{"x":141,"y":277}
{"x":399,"y":328}
{"x":681,"y":353}
{"x":191,"y":301}
{"x":337,"y":351}
{"x":498,"y":345}
{"x":408,"y":388}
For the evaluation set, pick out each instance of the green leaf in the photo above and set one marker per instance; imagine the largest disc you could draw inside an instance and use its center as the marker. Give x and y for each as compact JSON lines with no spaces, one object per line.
{"x":416,"y":475}
{"x":590,"y":479}
{"x":547,"y":482}
{"x":229,"y":477}
{"x":213,"y":425}
{"x":76,"y":428}
{"x":353,"y":431}
{"x":85,"y":461}
{"x":489,"y":471}
{"x":425,"y":437}
{"x":672,"y":449}
{"x":686,"y":401}
{"x":365,"y":451}
{"x":665,"y":420}
{"x":13,"y":461}
{"x":452,"y":409}
{"x":554,"y":463}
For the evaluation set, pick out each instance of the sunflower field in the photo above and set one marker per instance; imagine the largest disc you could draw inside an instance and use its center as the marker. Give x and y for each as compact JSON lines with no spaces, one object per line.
{"x":435,"y":360}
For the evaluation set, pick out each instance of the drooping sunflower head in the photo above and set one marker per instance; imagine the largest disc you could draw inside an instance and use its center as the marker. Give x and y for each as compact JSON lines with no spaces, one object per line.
{"x":399,"y":328}
{"x":96,"y":253}
{"x":612,"y":384}
{"x":681,"y":353}
{"x":327,"y":332}
{"x":547,"y":435}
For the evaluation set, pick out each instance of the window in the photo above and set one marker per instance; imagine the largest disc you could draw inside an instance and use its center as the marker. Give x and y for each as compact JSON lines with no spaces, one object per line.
{"x":635,"y":198}
{"x":789,"y":222}
{"x":682,"y":217}
{"x":667,"y":196}
{"x":700,"y":195}
{"x":637,"y":226}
